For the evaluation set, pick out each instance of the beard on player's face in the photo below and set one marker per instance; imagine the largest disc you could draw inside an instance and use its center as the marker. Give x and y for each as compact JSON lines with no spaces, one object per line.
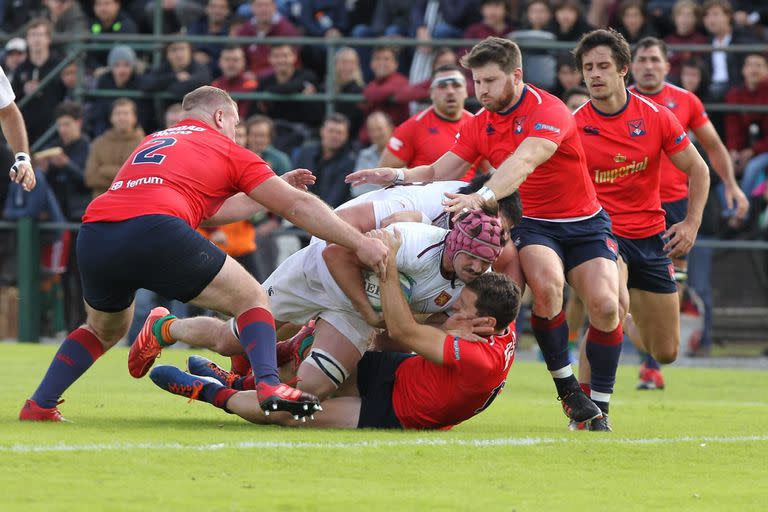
{"x":505,"y":98}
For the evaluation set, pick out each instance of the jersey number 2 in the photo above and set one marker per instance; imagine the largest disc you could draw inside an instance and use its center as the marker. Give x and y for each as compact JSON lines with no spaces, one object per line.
{"x":151,"y":154}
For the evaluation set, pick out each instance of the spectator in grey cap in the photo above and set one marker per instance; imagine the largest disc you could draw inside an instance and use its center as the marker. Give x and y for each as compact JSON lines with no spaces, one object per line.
{"x":15,"y":54}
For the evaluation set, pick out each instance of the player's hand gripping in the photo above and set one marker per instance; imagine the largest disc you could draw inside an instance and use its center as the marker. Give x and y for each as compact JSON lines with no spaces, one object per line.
{"x":381,"y":176}
{"x":299,"y":178}
{"x":22,"y":173}
{"x":373,"y":254}
{"x":458,"y":204}
{"x":680,"y":237}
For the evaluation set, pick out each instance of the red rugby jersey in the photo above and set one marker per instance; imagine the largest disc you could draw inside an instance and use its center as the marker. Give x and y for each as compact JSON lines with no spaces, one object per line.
{"x":689,"y":110}
{"x":186,"y":171}
{"x":427,"y":395}
{"x":624,"y":153}
{"x":425,"y":137}
{"x":558,"y":189}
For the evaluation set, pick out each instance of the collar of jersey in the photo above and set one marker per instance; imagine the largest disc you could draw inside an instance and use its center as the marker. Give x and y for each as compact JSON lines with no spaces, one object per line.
{"x":513,"y":107}
{"x":618,"y":112}
{"x":664,"y":86}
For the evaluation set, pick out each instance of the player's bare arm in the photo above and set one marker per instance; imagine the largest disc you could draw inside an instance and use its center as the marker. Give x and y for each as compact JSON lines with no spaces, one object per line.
{"x":681,"y":236}
{"x":723,"y":166}
{"x":448,"y":167}
{"x":389,"y":160}
{"x":314,"y":216}
{"x":15,"y":132}
{"x":531,"y":153}
{"x":404,"y":216}
{"x":425,"y":340}
{"x":360,"y":216}
{"x":346,"y":270}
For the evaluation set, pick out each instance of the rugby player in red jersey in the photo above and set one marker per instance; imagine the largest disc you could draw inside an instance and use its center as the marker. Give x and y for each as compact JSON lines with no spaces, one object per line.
{"x":141,"y":234}
{"x":530,"y":137}
{"x":452,"y":377}
{"x":625,"y":137}
{"x":649,"y":67}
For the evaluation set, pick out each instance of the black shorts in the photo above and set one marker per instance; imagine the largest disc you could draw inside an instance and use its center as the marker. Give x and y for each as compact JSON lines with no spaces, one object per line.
{"x":650,"y":269}
{"x":574,"y":242}
{"x":676,"y":212}
{"x":161,"y":253}
{"x":375,"y":382}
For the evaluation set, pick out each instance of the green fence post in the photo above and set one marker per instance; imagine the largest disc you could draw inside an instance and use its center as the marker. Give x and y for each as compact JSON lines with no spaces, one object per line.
{"x":28,"y":262}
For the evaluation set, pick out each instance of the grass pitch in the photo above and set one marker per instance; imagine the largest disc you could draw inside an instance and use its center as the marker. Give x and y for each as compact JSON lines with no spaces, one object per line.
{"x":702,"y":444}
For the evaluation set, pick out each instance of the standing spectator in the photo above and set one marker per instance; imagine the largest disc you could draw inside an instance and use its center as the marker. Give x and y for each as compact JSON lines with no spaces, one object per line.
{"x":266,"y":22}
{"x":122,"y":75}
{"x":15,"y":54}
{"x":387,"y":82}
{"x":330,"y":160}
{"x":289,"y":78}
{"x":495,"y":20}
{"x":214,"y":23}
{"x":634,"y":23}
{"x":725,"y":66}
{"x":379,"y":127}
{"x":109,"y":18}
{"x":65,"y":165}
{"x":349,"y":80}
{"x":260,"y":132}
{"x":66,"y":16}
{"x":686,"y":15}
{"x":570,"y":22}
{"x":234,"y":78}
{"x":179,"y":74}
{"x":177,"y":14}
{"x":110,"y":150}
{"x":38,"y":113}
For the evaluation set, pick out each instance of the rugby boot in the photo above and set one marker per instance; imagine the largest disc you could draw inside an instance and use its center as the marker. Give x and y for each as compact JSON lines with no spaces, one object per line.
{"x":146,"y":347}
{"x":600,"y":424}
{"x":577,"y":425}
{"x":285,"y":398}
{"x":295,"y":349}
{"x":33,"y":412}
{"x":198,"y":365}
{"x":650,"y":378}
{"x":578,"y":406}
{"x":181,"y":383}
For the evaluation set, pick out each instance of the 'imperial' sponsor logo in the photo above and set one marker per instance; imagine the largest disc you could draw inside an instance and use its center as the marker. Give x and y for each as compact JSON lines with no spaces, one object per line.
{"x":149,"y":180}
{"x":612,"y":175}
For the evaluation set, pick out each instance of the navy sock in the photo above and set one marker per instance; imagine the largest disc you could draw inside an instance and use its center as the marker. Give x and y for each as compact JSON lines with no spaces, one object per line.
{"x":216,"y":394}
{"x":552,"y":337}
{"x":258,"y":338}
{"x":650,"y":362}
{"x":603,"y":351}
{"x":78,"y":352}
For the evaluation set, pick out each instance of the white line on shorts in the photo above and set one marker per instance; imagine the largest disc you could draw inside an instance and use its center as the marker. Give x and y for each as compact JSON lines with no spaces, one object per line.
{"x":287,"y":445}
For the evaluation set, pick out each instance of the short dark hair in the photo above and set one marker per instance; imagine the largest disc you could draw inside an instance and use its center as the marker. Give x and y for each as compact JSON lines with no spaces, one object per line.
{"x":497,"y":50}
{"x":651,"y":42}
{"x":497,"y":296}
{"x":573,"y":91}
{"x":602,"y":37}
{"x":122,"y":102}
{"x":444,"y":68}
{"x":505,"y":3}
{"x":511,"y":206}
{"x":69,"y":108}
{"x":337,"y":117}
{"x":261,"y":119}
{"x":393,"y":50}
{"x":725,"y":5}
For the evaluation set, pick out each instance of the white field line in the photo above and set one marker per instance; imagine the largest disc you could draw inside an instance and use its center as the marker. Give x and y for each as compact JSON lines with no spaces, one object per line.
{"x":283,"y":445}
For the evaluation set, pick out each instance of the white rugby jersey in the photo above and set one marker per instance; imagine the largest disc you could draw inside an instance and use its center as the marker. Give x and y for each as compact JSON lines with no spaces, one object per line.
{"x":6,"y":92}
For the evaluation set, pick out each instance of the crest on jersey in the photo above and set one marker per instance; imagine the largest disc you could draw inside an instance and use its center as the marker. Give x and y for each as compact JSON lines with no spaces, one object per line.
{"x":432,"y":130}
{"x":619,"y":158}
{"x":489,"y":129}
{"x":442,"y":299}
{"x":612,"y":245}
{"x":636,"y":127}
{"x":670,"y":103}
{"x":591,"y":130}
{"x":519,"y":124}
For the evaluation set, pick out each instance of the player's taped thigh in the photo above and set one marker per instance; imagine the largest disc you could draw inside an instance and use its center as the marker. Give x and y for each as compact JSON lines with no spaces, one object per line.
{"x":328,"y":364}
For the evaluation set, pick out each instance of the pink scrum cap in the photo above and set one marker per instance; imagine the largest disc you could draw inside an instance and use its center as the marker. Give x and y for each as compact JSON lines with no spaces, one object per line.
{"x":477,"y":234}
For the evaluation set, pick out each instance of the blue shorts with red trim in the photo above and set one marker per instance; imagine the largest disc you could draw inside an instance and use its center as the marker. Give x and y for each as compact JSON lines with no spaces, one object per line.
{"x":650,"y":269}
{"x":574,"y":242}
{"x":161,"y":253}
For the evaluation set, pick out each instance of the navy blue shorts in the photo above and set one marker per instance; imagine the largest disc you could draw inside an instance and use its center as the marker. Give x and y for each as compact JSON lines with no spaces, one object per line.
{"x":161,"y":253}
{"x":375,"y":382}
{"x":575,"y":242}
{"x":650,"y":268}
{"x":676,"y":212}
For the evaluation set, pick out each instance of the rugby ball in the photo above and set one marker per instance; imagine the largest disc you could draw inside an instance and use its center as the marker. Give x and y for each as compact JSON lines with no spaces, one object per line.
{"x":372,"y":288}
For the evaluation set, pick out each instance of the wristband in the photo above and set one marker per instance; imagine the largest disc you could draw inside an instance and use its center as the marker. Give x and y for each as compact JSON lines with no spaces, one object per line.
{"x":486,"y":193}
{"x":399,"y":177}
{"x":22,"y":157}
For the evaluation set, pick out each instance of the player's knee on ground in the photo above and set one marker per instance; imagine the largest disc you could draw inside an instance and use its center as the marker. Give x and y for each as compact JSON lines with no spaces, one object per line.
{"x":321,"y":374}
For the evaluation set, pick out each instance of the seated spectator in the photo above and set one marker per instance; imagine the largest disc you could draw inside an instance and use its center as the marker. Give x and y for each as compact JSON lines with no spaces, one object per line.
{"x":634,"y":23}
{"x":17,"y":13}
{"x":725,"y":67}
{"x":387,"y":82}
{"x":67,"y":17}
{"x":747,"y":132}
{"x":15,"y":54}
{"x":173,"y":115}
{"x":420,"y":91}
{"x":330,"y":160}
{"x":260,"y":131}
{"x":38,"y":113}
{"x":234,"y":78}
{"x":265,"y":23}
{"x":570,"y":24}
{"x":379,"y":127}
{"x":110,"y":150}
{"x":390,"y":19}
{"x":495,"y":21}
{"x":694,"y":78}
{"x":686,"y":15}
{"x":179,"y":74}
{"x":63,"y":161}
{"x":108,"y":18}
{"x":177,"y":14}
{"x":575,"y":97}
{"x":323,"y":18}
{"x":214,"y":23}
{"x":288,"y":78}
{"x":349,"y":80}
{"x":538,"y":16}
{"x":69,"y":80}
{"x":122,"y":75}
{"x":568,"y":76}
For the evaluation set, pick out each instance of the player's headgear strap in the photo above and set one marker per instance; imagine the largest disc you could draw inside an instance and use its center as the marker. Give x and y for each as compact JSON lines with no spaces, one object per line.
{"x":477,"y":234}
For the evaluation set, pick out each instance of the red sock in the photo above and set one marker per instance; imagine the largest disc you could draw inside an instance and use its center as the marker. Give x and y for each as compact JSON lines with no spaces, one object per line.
{"x":240,"y":364}
{"x":585,"y":388}
{"x":222,"y":397}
